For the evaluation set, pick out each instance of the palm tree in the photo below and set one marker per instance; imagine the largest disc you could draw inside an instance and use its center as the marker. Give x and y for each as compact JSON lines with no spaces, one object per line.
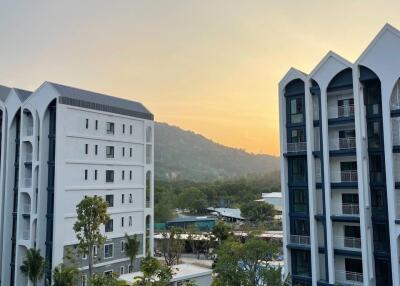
{"x":64,"y":275}
{"x":33,"y":265}
{"x":132,"y":245}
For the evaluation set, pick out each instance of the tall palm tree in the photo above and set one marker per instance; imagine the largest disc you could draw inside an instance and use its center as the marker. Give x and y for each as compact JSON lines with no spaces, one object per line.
{"x":64,"y":275}
{"x":132,"y":245}
{"x":33,"y":265}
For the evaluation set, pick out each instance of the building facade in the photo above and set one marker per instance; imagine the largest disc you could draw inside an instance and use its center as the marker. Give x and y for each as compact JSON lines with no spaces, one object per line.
{"x":340,"y":167}
{"x":58,"y":145}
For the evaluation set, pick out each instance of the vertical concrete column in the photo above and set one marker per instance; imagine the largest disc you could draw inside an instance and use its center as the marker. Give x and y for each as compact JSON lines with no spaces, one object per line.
{"x":327,"y":184}
{"x":311,"y":185}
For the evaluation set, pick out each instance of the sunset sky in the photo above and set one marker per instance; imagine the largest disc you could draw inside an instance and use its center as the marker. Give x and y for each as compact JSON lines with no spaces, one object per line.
{"x":209,"y":66}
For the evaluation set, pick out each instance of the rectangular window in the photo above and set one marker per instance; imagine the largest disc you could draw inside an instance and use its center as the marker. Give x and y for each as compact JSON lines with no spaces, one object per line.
{"x":86,"y":149}
{"x":130,"y":129}
{"x":130,"y":198}
{"x":110,"y":200}
{"x":130,"y":152}
{"x":121,"y":270}
{"x":96,"y":124}
{"x":352,"y":231}
{"x":95,"y":252}
{"x":123,"y":175}
{"x":110,"y":127}
{"x":296,"y":110}
{"x":109,"y":226}
{"x":300,"y":203}
{"x":123,"y":128}
{"x":109,"y":176}
{"x":108,"y":273}
{"x":123,"y":151}
{"x":108,"y":250}
{"x":130,"y":175}
{"x":95,"y":175}
{"x":296,"y":135}
{"x":110,"y":151}
{"x":301,"y":227}
{"x":87,"y":123}
{"x":376,"y":167}
{"x":301,"y":261}
{"x":122,"y":221}
{"x":374,"y":134}
{"x":130,"y":268}
{"x":123,"y":198}
{"x":130,"y":220}
{"x":353,"y":265}
{"x":96,"y":149}
{"x":84,"y":280}
{"x":297,"y":170}
{"x":86,"y":174}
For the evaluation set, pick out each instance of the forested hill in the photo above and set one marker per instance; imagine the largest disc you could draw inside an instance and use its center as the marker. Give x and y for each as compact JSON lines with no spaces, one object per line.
{"x":185,"y":155}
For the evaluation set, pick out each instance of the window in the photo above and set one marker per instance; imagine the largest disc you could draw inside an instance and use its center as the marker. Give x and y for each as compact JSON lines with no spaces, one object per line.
{"x":300,"y":203}
{"x":296,"y":110}
{"x":121,"y":270}
{"x":109,"y":176}
{"x":130,"y":175}
{"x":96,"y":124}
{"x":123,"y":175}
{"x":122,"y":198}
{"x":123,"y":128}
{"x":122,"y":246}
{"x":110,"y":200}
{"x":108,"y":273}
{"x":84,"y":256}
{"x":86,"y":149}
{"x":96,"y":148}
{"x":86,"y":174}
{"x":130,"y":129}
{"x":87,"y":123}
{"x":352,"y":231}
{"x":122,"y":221}
{"x":108,"y":250}
{"x":130,"y":152}
{"x":109,"y":226}
{"x":301,"y":261}
{"x":95,"y":175}
{"x":84,"y":280}
{"x":110,"y":127}
{"x":296,"y":135}
{"x":298,"y":170}
{"x":95,"y":250}
{"x":376,"y":168}
{"x":130,"y":220}
{"x":123,"y":151}
{"x":374,"y":134}
{"x":110,"y":151}
{"x":353,"y":265}
{"x":130,"y":269}
{"x":130,"y":198}
{"x":301,"y":227}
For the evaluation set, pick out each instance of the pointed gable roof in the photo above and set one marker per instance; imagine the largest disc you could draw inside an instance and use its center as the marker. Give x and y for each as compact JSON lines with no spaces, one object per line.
{"x":22,"y":93}
{"x":292,"y":74}
{"x":4,"y":91}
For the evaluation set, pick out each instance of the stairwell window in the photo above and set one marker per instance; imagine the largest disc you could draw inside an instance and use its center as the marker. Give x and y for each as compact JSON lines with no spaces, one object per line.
{"x":130,"y":129}
{"x":130,"y":220}
{"x":87,"y":123}
{"x":110,"y":128}
{"x":86,"y":174}
{"x":122,"y":198}
{"x":86,"y":149}
{"x":122,"y":221}
{"x":96,"y":124}
{"x":109,"y":226}
{"x":123,"y":128}
{"x":96,"y":149}
{"x":108,"y":250}
{"x":130,"y":152}
{"x":130,"y":175}
{"x":109,"y":176}
{"x":123,"y":175}
{"x":130,"y":198}
{"x":123,"y":151}
{"x":95,"y":175}
{"x":110,"y":152}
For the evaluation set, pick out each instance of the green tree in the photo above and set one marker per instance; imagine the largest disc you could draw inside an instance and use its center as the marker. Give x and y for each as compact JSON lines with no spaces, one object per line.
{"x":132,"y":245}
{"x":273,"y":276}
{"x":64,"y":275}
{"x":221,"y":231}
{"x":172,"y":246}
{"x":164,"y":204}
{"x":154,"y":273}
{"x":258,"y":211}
{"x":91,"y":214}
{"x":245,"y":263}
{"x":193,"y":199}
{"x":33,"y":265}
{"x":107,"y":280}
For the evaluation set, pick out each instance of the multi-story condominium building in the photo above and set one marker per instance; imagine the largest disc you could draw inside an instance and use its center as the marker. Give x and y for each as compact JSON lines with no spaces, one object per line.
{"x":340,"y":159}
{"x":58,"y":145}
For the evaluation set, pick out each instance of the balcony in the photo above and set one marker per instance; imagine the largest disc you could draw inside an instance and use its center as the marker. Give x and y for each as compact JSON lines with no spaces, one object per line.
{"x":348,"y":243}
{"x":349,"y":278}
{"x":301,"y":240}
{"x":340,"y":111}
{"x":296,"y":147}
{"x":342,"y":144}
{"x":344,"y":176}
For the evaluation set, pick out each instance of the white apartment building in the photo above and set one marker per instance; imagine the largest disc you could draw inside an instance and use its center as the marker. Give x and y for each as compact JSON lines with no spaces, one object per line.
{"x":58,"y":145}
{"x":340,"y":167}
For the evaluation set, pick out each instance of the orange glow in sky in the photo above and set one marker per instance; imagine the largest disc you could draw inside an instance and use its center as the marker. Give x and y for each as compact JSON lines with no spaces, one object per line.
{"x":210,"y":66}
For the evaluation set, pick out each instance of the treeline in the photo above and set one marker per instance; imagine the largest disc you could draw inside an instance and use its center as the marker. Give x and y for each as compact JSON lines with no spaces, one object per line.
{"x":197,"y":196}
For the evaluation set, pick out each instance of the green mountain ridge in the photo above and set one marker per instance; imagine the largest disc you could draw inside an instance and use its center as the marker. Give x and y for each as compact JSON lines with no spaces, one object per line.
{"x":185,"y":155}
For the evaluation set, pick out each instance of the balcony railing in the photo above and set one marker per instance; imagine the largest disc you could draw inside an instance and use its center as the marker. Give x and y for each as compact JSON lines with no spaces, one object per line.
{"x":350,"y":209}
{"x":347,"y":242}
{"x":355,"y":278}
{"x":296,"y":147}
{"x":341,"y":111}
{"x":28,"y":182}
{"x":299,"y":239}
{"x":348,"y":176}
{"x":28,"y":157}
{"x":28,"y":131}
{"x":342,"y":143}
